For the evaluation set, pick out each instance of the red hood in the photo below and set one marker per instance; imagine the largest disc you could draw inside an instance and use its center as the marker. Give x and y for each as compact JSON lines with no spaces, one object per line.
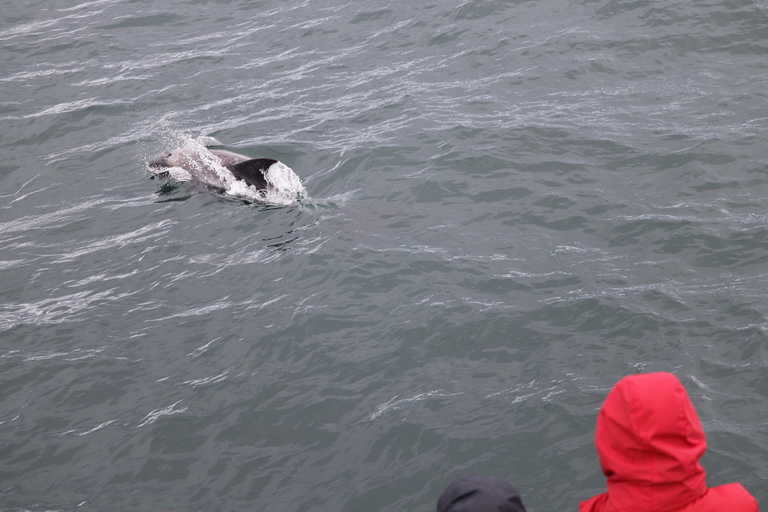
{"x":649,"y":441}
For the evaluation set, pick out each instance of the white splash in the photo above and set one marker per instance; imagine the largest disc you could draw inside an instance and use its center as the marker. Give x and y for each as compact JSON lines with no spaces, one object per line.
{"x":284,"y":187}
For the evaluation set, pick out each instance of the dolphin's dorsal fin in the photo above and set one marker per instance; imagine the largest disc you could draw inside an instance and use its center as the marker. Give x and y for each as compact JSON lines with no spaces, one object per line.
{"x":252,"y":171}
{"x":208,"y":141}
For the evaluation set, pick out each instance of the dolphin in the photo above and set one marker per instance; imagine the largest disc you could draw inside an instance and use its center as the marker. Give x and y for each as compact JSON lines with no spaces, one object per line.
{"x":215,"y":167}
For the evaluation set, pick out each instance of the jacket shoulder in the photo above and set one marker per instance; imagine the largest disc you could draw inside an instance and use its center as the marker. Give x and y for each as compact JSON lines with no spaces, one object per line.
{"x":594,"y":504}
{"x":733,"y":497}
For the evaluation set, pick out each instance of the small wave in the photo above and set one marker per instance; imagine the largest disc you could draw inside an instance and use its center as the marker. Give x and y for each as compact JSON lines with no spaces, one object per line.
{"x":68,"y":308}
{"x":213,"y":379}
{"x":394,"y":404}
{"x":158,"y":413}
{"x":69,"y":355}
{"x":200,"y":350}
{"x":80,"y":432}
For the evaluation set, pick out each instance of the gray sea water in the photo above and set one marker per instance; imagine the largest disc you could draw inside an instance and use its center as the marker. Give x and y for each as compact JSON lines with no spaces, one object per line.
{"x":510,"y":205}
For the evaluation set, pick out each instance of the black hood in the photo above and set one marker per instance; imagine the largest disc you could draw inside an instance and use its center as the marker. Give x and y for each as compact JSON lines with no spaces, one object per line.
{"x":477,"y":493}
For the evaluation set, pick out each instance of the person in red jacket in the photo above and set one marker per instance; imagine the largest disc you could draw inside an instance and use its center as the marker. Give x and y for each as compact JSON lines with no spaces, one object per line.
{"x":649,"y":441}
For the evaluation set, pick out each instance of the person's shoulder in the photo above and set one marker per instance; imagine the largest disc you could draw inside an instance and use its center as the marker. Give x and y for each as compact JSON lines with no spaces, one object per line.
{"x":594,"y":504}
{"x":732,"y":497}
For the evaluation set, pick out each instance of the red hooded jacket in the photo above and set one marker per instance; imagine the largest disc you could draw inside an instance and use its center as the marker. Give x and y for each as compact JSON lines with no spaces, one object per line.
{"x":649,"y":441}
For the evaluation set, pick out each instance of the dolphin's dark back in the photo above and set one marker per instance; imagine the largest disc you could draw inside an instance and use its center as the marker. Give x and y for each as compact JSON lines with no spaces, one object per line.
{"x":253,"y":171}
